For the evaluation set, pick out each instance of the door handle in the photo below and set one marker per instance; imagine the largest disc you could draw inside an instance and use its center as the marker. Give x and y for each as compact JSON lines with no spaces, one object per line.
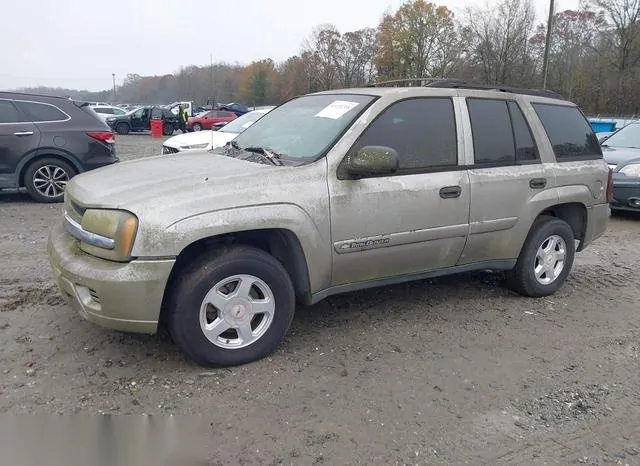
{"x":537,"y":183}
{"x":449,"y":192}
{"x":23,"y":133}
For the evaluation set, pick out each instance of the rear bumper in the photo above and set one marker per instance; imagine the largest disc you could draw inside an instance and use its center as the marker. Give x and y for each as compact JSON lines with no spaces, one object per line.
{"x":626,"y":193}
{"x":122,"y":296}
{"x":597,"y":220}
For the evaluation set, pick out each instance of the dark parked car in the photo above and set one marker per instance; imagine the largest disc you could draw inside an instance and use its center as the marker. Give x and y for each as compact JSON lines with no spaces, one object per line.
{"x":236,"y":108}
{"x":621,"y":151}
{"x":140,"y":120}
{"x":46,"y":140}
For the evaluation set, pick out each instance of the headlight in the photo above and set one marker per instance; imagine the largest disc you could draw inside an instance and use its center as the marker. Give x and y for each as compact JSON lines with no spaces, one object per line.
{"x":118,"y":225}
{"x":195,"y":146}
{"x":633,"y":169}
{"x":111,"y":119}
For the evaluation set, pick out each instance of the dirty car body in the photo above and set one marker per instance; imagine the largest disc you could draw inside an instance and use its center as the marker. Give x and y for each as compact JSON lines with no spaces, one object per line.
{"x":355,"y":194}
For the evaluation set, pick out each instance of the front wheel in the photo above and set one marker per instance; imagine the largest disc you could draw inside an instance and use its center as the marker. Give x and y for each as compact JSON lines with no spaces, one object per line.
{"x":197,"y":127}
{"x":231,"y":307}
{"x":546,"y":258}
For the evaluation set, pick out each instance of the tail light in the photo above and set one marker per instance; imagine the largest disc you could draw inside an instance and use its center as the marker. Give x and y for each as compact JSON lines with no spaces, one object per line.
{"x":103,"y":136}
{"x":610,"y":186}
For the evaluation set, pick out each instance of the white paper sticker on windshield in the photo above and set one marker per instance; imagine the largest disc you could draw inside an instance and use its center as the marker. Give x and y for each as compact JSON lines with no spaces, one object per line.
{"x":336,"y":109}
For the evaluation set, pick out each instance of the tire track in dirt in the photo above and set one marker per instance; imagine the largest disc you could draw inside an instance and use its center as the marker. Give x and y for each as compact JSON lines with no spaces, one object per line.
{"x":16,"y":297}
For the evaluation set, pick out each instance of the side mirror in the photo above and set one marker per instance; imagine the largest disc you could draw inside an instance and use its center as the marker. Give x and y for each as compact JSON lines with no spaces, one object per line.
{"x":372,"y":161}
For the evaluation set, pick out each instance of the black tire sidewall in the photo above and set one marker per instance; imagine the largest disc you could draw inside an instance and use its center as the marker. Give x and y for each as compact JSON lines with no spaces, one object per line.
{"x":31,"y":170}
{"x":125,"y":130}
{"x":167,"y":130}
{"x":525,"y":268}
{"x":184,"y":321}
{"x":197,"y":127}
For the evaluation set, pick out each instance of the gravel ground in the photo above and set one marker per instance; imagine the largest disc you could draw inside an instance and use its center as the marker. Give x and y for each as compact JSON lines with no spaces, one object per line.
{"x":448,"y":371}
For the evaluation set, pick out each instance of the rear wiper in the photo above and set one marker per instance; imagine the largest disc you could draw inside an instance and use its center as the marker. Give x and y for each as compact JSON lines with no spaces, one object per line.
{"x":269,"y":154}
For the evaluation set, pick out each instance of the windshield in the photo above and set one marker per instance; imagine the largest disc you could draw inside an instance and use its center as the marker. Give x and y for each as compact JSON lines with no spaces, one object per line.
{"x":241,"y":123}
{"x":629,"y":136}
{"x":305,"y":127}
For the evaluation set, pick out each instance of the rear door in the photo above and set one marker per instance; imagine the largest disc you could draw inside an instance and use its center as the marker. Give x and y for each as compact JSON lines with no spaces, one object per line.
{"x":507,"y":179}
{"x":18,"y":138}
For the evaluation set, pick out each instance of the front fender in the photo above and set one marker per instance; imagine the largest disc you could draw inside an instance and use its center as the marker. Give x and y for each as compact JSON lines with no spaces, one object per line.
{"x":172,"y":240}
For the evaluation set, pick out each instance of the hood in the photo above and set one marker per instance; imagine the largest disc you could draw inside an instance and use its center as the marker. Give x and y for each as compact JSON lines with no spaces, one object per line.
{"x":213,"y":138}
{"x":152,"y":183}
{"x":618,"y":155}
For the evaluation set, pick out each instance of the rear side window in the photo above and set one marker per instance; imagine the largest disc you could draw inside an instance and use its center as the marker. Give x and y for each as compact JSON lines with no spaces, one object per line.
{"x":8,"y":112}
{"x":526,"y":149}
{"x":500,"y":132}
{"x":570,"y":133}
{"x":42,"y":112}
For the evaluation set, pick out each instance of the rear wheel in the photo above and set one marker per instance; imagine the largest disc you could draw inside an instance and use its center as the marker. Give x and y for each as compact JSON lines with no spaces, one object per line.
{"x":168,"y":130}
{"x":46,"y":179}
{"x":546,"y":258}
{"x":123,"y":128}
{"x":197,"y":127}
{"x":231,"y":307}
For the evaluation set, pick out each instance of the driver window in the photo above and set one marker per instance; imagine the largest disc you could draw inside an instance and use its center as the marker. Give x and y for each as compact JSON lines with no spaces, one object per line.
{"x":139,"y":112}
{"x":421,"y":130}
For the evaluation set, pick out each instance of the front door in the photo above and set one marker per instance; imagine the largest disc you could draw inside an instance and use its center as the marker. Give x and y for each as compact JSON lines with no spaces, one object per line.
{"x":137,"y":117}
{"x":415,"y":220}
{"x":17,"y":139}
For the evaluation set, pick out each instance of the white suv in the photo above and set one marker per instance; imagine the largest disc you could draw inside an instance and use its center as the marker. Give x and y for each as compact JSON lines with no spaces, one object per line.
{"x":105,"y":111}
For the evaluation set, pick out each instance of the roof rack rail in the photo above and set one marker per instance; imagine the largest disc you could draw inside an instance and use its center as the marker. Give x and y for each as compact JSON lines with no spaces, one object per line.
{"x":456,"y":83}
{"x":426,"y":81}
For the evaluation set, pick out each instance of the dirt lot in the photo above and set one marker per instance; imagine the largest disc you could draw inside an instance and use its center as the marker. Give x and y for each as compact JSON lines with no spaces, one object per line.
{"x":449,"y":371}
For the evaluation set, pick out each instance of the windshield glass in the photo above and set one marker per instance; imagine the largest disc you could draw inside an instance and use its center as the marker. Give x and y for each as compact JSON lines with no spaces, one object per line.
{"x":629,"y":136}
{"x":241,"y":123}
{"x":305,"y":127}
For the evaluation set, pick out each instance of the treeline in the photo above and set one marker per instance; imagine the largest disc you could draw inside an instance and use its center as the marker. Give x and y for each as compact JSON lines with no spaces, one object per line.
{"x":593,"y":60}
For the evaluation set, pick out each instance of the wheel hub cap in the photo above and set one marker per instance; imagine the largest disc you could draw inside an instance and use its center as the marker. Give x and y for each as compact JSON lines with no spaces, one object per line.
{"x":50,"y":180}
{"x":550,"y":260}
{"x":237,"y":311}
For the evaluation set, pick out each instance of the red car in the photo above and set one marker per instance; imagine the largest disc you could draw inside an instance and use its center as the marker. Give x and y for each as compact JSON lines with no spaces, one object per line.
{"x":207,"y":120}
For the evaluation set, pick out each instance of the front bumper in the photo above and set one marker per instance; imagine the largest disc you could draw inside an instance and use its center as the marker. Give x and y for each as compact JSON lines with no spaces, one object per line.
{"x":626,"y":193}
{"x":122,"y":296}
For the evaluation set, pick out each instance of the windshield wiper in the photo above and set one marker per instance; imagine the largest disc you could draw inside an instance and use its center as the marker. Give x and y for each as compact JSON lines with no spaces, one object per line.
{"x":269,"y":154}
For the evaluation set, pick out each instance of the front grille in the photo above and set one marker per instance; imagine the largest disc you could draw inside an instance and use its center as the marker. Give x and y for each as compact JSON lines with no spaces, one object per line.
{"x":169,"y":150}
{"x":73,"y":209}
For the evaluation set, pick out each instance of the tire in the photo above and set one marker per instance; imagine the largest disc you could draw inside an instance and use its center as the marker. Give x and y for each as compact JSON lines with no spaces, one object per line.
{"x":167,"y":130}
{"x":122,"y":128}
{"x":46,"y":179}
{"x":197,"y":127}
{"x":188,"y":315}
{"x":523,"y":278}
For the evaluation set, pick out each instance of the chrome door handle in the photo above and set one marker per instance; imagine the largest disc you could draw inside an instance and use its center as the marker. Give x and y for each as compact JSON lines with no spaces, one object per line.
{"x":23,"y":133}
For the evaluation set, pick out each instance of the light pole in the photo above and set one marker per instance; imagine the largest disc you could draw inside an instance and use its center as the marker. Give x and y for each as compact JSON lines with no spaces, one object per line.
{"x":547,"y":46}
{"x":113,"y":75}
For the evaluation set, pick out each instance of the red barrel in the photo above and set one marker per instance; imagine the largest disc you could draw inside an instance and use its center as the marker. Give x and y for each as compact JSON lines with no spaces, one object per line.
{"x":156,"y":128}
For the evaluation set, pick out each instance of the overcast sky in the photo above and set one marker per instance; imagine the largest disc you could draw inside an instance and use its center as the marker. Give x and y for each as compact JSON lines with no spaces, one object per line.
{"x":68,"y":43}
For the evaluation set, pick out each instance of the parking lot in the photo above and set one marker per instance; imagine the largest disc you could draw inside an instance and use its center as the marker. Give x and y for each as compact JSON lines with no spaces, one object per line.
{"x":454,"y":370}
